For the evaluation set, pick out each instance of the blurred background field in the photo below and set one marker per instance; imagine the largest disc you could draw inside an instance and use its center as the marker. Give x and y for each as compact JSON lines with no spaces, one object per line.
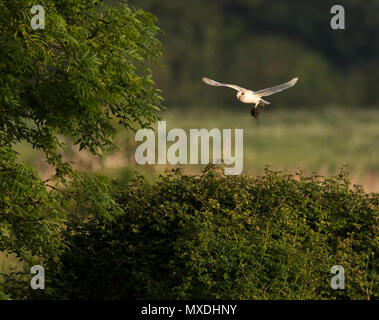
{"x":318,"y":140}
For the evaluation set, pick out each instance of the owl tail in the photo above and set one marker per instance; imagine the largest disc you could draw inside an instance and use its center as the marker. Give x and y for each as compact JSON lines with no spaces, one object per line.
{"x":265,"y":102}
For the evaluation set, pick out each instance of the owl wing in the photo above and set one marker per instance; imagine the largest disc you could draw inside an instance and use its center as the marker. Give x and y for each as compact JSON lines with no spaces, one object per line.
{"x":276,"y":89}
{"x":219,"y":84}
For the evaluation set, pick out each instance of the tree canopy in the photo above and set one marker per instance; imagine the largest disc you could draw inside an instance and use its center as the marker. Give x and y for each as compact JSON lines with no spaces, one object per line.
{"x":72,"y":78}
{"x":81,"y":76}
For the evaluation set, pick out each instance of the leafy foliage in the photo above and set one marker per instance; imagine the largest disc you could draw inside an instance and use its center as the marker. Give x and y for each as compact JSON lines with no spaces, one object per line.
{"x":236,"y":237}
{"x":28,"y":213}
{"x":87,"y":66}
{"x":75,"y":79}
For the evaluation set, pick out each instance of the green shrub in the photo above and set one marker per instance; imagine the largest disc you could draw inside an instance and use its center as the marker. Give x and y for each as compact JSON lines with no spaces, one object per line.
{"x":235,"y":237}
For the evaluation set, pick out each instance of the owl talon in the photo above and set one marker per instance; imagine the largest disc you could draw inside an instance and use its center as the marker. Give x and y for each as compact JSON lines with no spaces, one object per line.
{"x":254,"y":112}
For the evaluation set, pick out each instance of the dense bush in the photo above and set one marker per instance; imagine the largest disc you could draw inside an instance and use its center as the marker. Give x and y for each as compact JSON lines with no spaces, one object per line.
{"x":236,"y":237}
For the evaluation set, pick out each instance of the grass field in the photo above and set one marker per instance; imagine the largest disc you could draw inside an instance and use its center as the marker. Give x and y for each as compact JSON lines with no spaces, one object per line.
{"x":318,"y":140}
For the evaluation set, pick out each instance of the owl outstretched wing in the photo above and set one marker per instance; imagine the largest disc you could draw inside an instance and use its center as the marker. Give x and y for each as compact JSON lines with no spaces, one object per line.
{"x":219,"y":84}
{"x":269,"y":91}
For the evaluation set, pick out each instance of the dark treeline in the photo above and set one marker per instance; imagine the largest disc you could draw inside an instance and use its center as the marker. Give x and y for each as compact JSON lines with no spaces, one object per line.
{"x":257,"y":43}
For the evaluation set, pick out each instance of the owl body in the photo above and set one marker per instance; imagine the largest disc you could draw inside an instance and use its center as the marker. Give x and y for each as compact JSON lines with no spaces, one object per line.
{"x":248,"y":96}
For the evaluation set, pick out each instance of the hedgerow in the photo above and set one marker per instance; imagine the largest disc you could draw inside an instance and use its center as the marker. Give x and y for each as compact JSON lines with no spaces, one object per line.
{"x":211,"y":236}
